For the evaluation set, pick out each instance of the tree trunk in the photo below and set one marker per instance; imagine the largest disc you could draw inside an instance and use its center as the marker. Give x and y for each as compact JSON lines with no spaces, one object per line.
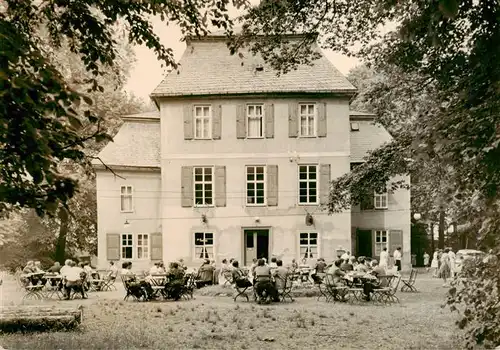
{"x":432,"y":237}
{"x":39,"y":318}
{"x":442,"y":228}
{"x":60,"y":253}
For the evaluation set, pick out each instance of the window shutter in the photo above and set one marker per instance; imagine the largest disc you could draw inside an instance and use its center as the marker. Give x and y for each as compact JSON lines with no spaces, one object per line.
{"x":269,"y":115}
{"x":368,"y":201}
{"x":241,"y":122}
{"x":293,"y":119}
{"x":187,"y":186}
{"x":324,"y":183}
{"x":353,"y":241}
{"x":395,"y":240}
{"x":188,"y":122}
{"x":220,"y":186}
{"x":113,"y":246}
{"x":216,"y":122}
{"x":272,"y":185}
{"x":156,"y":246}
{"x":322,"y":120}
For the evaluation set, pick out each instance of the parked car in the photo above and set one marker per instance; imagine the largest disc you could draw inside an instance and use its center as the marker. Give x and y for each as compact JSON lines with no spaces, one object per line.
{"x":464,"y":255}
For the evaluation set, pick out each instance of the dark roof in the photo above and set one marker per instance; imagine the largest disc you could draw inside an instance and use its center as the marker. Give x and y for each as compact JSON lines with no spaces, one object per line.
{"x":136,"y":144}
{"x":207,"y":68}
{"x":369,"y":137}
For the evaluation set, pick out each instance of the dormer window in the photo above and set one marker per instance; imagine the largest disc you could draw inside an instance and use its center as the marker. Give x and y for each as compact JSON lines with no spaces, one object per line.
{"x":259,"y":68}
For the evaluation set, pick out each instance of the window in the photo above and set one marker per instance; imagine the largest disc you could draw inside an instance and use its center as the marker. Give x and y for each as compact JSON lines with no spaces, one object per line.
{"x":255,"y":121}
{"x":308,"y":184}
{"x":307,"y":118}
{"x":354,"y":126}
{"x":142,"y":246}
{"x":203,"y":245}
{"x":203,"y":186}
{"x":202,"y":122}
{"x":127,"y":246}
{"x":308,"y":245}
{"x":380,"y":241}
{"x":256,"y":185}
{"x":380,"y":200}
{"x":126,"y":199}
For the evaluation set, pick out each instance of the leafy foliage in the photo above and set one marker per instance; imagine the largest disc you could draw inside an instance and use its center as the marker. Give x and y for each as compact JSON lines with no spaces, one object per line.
{"x":41,"y":114}
{"x":475,"y":296}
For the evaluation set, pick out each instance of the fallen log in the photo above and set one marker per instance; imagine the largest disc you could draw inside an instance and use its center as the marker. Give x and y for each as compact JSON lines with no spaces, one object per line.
{"x":29,"y":319}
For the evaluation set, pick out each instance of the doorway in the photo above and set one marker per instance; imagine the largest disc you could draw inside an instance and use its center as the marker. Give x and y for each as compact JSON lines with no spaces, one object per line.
{"x":256,"y":244}
{"x":364,"y":243}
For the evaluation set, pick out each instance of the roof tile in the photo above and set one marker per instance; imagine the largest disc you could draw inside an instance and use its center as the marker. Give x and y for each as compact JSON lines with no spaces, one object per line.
{"x":207,"y":68}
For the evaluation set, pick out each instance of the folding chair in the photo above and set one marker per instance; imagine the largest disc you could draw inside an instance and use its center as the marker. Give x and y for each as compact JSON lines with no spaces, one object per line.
{"x":286,"y":291}
{"x":240,"y":291}
{"x":126,"y":284}
{"x":333,"y":290}
{"x":189,"y":286}
{"x":409,"y":284}
{"x":33,"y":292}
{"x":387,"y":294}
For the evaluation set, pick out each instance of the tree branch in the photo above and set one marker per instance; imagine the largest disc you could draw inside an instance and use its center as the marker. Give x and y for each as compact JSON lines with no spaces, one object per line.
{"x":107,"y":167}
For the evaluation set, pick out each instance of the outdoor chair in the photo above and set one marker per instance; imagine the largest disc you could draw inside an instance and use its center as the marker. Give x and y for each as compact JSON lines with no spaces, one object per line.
{"x":387,"y":294}
{"x":241,"y":291}
{"x":189,"y":286}
{"x":409,"y":284}
{"x":332,"y":291}
{"x":285,"y":292}
{"x":128,"y":290}
{"x":33,"y":292}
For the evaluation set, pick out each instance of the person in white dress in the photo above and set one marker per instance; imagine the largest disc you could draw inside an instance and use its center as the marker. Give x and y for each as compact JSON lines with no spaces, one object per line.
{"x":452,"y":262}
{"x":384,"y":258}
{"x":435,"y":263}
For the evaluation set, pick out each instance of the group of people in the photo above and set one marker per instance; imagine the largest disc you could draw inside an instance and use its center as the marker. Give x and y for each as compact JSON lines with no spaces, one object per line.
{"x":142,"y":288}
{"x":443,"y":263}
{"x":73,"y":276}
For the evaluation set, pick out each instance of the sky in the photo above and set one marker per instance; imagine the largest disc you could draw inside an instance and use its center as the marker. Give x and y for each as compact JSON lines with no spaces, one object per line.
{"x":148,"y":73}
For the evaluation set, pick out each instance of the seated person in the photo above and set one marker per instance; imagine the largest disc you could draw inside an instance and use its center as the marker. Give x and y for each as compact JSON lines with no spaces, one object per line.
{"x":139,"y":288}
{"x":347,"y":265}
{"x":263,"y":281}
{"x":27,"y":271}
{"x":253,"y":266}
{"x":205,"y":274}
{"x":176,"y":281}
{"x":319,"y":271}
{"x":336,"y":279}
{"x":161,"y":268}
{"x":239,"y":277}
{"x":361,"y":266}
{"x":74,"y":277}
{"x":112,"y":271}
{"x":280,"y":275}
{"x":379,"y":272}
{"x":295,"y":266}
{"x":56,"y":268}
{"x":273,"y":264}
{"x":154,"y":270}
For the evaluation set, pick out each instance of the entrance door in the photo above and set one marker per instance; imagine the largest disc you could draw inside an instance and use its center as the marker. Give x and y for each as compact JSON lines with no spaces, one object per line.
{"x":256,"y":245}
{"x":364,"y":243}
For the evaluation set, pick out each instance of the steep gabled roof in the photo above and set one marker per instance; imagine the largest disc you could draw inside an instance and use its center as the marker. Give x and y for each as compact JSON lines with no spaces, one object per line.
{"x":369,"y":136}
{"x":137,"y":143}
{"x":207,"y":68}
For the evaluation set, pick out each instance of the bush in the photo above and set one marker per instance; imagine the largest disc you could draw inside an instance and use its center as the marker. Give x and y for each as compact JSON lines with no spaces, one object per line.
{"x":475,"y":295}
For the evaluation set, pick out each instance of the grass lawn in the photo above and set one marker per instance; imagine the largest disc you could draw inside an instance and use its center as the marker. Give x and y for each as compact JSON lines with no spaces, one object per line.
{"x":210,"y":322}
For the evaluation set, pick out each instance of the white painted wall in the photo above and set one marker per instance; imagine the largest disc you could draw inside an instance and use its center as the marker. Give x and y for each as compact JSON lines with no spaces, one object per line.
{"x":288,"y":218}
{"x":147,"y":209}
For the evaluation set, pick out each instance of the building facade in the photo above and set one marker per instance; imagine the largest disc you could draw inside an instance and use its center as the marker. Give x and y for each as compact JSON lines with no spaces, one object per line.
{"x":237,"y":164}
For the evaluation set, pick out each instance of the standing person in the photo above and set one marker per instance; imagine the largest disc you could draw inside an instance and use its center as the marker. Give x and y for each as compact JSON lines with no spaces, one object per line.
{"x":384,"y":258}
{"x":397,"y":258}
{"x":444,"y":269}
{"x":435,"y":263}
{"x":426,"y":261}
{"x":452,"y":257}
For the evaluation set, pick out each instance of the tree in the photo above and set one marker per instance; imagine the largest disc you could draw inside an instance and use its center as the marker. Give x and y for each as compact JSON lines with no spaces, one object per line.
{"x":41,"y":125}
{"x":449,"y":45}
